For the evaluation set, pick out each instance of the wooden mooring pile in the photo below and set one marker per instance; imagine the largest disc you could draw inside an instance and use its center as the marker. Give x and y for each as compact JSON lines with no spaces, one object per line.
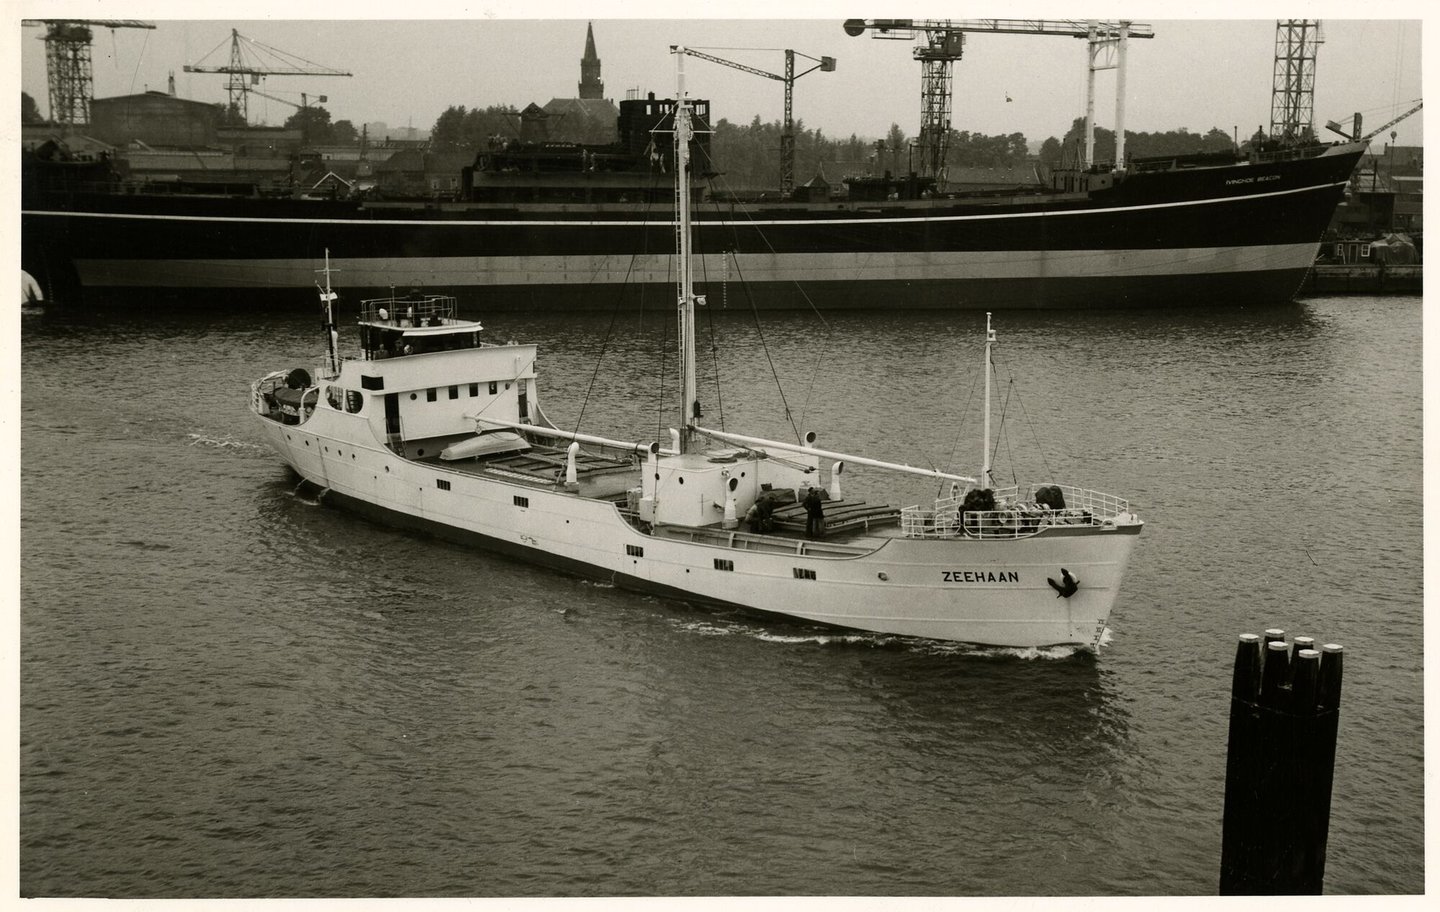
{"x":1284,"y":719}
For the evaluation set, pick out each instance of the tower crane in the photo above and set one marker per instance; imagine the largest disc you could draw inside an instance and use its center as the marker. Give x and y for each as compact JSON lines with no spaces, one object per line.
{"x":67,"y":63}
{"x":945,"y":44}
{"x":787,"y":132}
{"x":247,"y":69}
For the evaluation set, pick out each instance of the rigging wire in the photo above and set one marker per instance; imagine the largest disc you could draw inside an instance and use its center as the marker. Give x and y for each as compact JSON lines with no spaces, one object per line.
{"x":1009,"y":451}
{"x":1399,"y":62}
{"x":714,"y":346}
{"x":144,"y":43}
{"x":1000,"y":430}
{"x":604,"y":343}
{"x":1030,"y":423}
{"x":755,"y":316}
{"x":615,"y":311}
{"x":755,"y":311}
{"x":976,"y":379}
{"x":1049,"y":472}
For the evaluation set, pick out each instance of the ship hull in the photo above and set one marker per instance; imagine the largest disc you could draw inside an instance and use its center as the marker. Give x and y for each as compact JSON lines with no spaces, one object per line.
{"x":982,"y":592}
{"x":1244,"y":234}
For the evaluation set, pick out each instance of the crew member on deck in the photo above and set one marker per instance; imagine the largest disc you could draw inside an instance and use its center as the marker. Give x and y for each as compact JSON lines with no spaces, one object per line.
{"x":814,"y":515}
{"x":759,"y":516}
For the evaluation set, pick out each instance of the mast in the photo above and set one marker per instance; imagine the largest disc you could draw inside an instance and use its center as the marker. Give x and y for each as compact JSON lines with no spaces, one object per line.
{"x":689,"y":407}
{"x":327,"y":300}
{"x":985,"y":453}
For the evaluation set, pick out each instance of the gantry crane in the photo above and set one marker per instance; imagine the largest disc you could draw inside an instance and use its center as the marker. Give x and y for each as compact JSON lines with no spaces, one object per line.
{"x":245,"y":72}
{"x":945,"y":44}
{"x":787,"y":132}
{"x":1292,"y":92}
{"x":67,"y":64}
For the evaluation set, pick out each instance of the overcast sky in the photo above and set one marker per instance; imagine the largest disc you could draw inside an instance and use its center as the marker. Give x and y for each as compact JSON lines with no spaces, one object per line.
{"x":1196,"y":74}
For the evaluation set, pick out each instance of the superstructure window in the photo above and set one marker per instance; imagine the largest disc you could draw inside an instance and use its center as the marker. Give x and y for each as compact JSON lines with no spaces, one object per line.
{"x":430,"y":395}
{"x":634,"y":550}
{"x":454,"y":392}
{"x":722,"y":563}
{"x":802,"y":573}
{"x":474,"y":390}
{"x":521,"y":501}
{"x":442,"y":484}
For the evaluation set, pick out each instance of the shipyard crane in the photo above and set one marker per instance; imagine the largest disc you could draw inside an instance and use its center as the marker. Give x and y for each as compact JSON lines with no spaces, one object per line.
{"x":1292,"y":92}
{"x":246,"y":69}
{"x":302,"y":105}
{"x":787,"y":132}
{"x":67,"y":64}
{"x":1354,"y":134}
{"x":945,"y":44}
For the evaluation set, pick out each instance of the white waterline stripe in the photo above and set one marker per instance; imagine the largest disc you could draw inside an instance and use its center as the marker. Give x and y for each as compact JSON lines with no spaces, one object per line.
{"x":738,"y":220}
{"x":609,"y":270}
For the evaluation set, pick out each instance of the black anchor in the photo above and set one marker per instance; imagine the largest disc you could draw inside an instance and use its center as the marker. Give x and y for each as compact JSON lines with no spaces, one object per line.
{"x":1068,"y":587}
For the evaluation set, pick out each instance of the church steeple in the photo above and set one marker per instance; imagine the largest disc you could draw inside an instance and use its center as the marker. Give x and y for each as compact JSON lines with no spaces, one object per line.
{"x":590,"y":84}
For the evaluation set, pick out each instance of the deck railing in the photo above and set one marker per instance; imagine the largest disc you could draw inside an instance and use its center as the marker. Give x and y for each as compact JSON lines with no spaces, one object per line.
{"x":412,"y":310}
{"x":1016,"y":514}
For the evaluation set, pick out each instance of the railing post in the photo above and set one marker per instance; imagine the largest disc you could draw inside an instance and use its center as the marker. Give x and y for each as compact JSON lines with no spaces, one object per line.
{"x":1279,"y":770}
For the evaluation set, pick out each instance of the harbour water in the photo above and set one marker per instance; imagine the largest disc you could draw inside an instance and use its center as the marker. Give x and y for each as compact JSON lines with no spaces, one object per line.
{"x":229,"y":689}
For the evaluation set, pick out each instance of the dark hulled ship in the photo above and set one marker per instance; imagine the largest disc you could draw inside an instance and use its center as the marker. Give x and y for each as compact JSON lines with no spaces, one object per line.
{"x":535,"y":223}
{"x":539,"y":225}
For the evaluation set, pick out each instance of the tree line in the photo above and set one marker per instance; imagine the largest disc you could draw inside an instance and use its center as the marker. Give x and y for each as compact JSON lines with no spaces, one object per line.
{"x":748,"y":155}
